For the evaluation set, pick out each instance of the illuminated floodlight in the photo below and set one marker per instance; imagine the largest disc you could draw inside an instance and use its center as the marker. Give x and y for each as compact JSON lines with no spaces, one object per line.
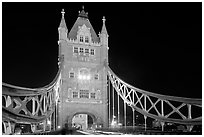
{"x":88,"y":77}
{"x":48,"y":122}
{"x":80,"y":77}
{"x":58,"y":126}
{"x":84,"y":77}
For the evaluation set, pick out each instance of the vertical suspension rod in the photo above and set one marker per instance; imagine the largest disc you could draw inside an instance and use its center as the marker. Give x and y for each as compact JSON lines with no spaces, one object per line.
{"x":109,"y":91}
{"x":162,"y":113}
{"x":145,"y":117}
{"x":124,"y":109}
{"x":113,"y":104}
{"x":118,"y":109}
{"x":133,"y":117}
{"x":133,"y":111}
{"x":124,"y":113}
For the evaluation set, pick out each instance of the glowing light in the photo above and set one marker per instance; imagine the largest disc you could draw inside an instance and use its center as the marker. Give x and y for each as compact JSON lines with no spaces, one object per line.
{"x":48,"y":122}
{"x":84,"y":77}
{"x":58,"y":126}
{"x":80,"y":77}
{"x":88,"y":77}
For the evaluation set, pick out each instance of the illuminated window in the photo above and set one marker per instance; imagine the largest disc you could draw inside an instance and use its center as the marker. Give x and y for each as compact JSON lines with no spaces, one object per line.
{"x":84,"y":94}
{"x":84,"y":75}
{"x":81,"y":39}
{"x":81,"y":50}
{"x":71,"y":74}
{"x":93,"y":95}
{"x":75,"y":94}
{"x":96,"y":77}
{"x":75,"y":49}
{"x":87,"y":51}
{"x":92,"y":52}
{"x":87,"y":39}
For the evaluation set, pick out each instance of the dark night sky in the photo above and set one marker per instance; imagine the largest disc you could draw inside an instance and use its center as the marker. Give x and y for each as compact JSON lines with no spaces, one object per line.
{"x":153,"y":46}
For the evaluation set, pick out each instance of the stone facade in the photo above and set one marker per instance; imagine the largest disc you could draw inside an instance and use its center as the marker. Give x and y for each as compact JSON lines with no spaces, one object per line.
{"x":84,"y":77}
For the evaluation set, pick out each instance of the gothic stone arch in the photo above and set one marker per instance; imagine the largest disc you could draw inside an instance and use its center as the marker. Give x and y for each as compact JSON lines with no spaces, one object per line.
{"x":97,"y":119}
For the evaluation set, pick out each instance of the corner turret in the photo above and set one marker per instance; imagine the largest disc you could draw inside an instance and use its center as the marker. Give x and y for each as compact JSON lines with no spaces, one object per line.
{"x":62,"y":28}
{"x":104,"y":34}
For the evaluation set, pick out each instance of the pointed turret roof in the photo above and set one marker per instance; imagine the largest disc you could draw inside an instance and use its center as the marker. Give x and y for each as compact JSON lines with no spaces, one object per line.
{"x":63,"y":23}
{"x":103,"y":30}
{"x":81,"y":20}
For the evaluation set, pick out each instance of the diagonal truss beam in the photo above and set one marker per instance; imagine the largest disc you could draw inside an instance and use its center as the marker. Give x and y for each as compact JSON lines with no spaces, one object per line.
{"x":128,"y":92}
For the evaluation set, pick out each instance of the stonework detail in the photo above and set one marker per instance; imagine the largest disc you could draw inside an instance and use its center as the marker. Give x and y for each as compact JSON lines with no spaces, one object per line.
{"x":84,"y":33}
{"x":85,"y":80}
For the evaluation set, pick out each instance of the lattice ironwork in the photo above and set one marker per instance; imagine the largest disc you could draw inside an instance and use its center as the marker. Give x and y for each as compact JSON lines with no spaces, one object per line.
{"x":161,"y":107}
{"x":29,"y":105}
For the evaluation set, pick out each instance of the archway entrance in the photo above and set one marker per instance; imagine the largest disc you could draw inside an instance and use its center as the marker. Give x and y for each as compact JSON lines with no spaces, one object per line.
{"x":82,"y":121}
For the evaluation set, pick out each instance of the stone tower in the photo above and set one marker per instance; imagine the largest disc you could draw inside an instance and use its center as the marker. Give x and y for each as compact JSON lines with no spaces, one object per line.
{"x":84,"y":77}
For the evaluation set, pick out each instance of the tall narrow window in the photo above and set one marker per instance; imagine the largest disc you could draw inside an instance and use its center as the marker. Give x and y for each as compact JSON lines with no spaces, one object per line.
{"x":81,"y":50}
{"x":75,"y":49}
{"x":92,"y":51}
{"x":81,"y":39}
{"x":71,"y":74}
{"x":87,"y":39}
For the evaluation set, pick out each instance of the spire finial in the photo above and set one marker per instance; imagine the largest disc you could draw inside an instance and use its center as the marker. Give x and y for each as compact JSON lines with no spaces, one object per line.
{"x":83,"y":13}
{"x":104,"y":31}
{"x":104,"y":19}
{"x":63,"y":12}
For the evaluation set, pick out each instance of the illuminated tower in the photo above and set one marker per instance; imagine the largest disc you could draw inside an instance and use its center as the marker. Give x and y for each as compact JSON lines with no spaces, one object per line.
{"x":84,"y":77}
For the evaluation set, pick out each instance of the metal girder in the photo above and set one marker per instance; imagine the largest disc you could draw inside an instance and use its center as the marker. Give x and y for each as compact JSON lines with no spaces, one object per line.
{"x":156,"y":109}
{"x":30,"y":105}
